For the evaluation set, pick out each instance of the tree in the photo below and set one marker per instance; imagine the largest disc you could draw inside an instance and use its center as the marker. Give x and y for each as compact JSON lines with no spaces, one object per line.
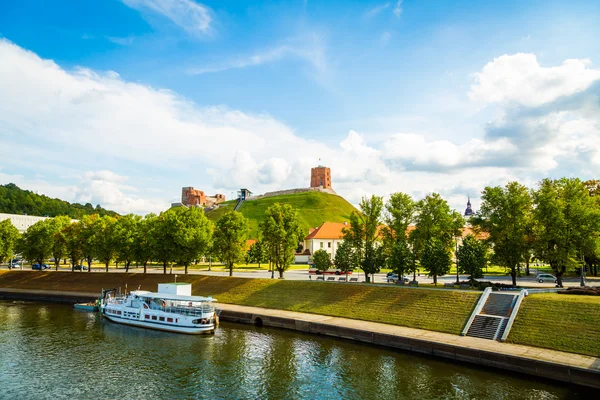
{"x":472,"y":257}
{"x":363,"y":235}
{"x":192,"y":235}
{"x":567,"y":223}
{"x":257,"y":254}
{"x":36,"y":242}
{"x":401,"y":259}
{"x":345,"y":259}
{"x":142,"y":241}
{"x":87,"y":231}
{"x":281,"y":234}
{"x":322,"y":260}
{"x":435,"y":220}
{"x":72,"y":240}
{"x":162,"y":237}
{"x":9,"y":237}
{"x":229,"y":242}
{"x":104,"y":240}
{"x":436,"y":259}
{"x":125,"y":232}
{"x":504,"y":215}
{"x":59,"y":249}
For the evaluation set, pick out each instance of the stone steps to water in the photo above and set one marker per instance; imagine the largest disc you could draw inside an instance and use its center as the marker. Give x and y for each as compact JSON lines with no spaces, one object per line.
{"x":499,"y":304}
{"x":484,"y":327}
{"x":492,"y":320}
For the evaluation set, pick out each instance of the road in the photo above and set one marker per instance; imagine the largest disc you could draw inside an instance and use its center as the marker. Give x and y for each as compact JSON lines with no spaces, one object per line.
{"x":527,"y":281}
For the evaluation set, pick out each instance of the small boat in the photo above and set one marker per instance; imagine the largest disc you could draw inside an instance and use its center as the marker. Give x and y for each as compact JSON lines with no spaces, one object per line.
{"x":91,"y":306}
{"x":171,"y":309}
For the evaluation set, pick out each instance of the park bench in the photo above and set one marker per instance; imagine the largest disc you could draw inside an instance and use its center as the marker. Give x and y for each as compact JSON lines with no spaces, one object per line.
{"x":449,"y":285}
{"x":353,"y":279}
{"x":413,"y":283}
{"x":330,"y":278}
{"x":320,"y":278}
{"x":464,"y":286}
{"x":342,"y":279}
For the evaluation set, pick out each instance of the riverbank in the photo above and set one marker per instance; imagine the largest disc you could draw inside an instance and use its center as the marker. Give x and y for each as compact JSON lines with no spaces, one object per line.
{"x":548,"y":364}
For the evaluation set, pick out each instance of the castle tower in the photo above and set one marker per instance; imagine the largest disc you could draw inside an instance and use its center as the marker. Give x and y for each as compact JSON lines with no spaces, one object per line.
{"x":320,"y":177}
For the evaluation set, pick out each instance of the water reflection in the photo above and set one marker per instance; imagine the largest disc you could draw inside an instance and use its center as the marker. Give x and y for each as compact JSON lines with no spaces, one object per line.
{"x":53,"y":351}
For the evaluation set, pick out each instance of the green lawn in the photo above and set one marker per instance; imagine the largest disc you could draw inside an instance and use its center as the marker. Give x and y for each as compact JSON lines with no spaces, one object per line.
{"x":561,"y":322}
{"x":313,"y":208}
{"x":437,"y":310}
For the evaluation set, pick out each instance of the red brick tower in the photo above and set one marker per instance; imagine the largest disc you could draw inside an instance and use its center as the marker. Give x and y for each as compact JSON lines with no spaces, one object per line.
{"x":320,"y":176}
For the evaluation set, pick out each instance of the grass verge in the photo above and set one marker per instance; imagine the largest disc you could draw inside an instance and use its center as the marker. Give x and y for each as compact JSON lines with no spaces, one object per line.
{"x":560,"y":322}
{"x":436,"y":310}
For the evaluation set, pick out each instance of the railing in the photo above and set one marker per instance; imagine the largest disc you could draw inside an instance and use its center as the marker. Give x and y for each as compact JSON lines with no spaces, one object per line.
{"x":513,"y":314}
{"x":477,"y":310}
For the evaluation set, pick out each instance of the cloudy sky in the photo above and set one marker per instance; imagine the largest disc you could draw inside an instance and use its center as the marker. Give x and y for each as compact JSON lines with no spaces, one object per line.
{"x":123,"y":102}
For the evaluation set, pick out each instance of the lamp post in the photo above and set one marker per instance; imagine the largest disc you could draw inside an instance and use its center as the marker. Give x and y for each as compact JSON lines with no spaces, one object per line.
{"x":456,"y":260}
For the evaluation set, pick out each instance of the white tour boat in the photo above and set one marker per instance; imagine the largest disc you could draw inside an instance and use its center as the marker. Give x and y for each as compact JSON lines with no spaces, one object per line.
{"x":172,"y":309}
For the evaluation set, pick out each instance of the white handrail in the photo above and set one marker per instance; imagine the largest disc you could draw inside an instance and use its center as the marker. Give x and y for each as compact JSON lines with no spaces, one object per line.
{"x":513,"y":314}
{"x":477,"y":310}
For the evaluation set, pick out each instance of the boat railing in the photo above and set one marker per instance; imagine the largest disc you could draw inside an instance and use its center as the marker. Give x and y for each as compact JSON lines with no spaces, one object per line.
{"x":190,"y":310}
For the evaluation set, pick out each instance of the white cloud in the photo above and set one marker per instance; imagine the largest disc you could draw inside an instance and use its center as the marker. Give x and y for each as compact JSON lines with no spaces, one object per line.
{"x":372,"y":12}
{"x":398,"y":8}
{"x":193,"y":17}
{"x":121,"y":41}
{"x":520,"y":79}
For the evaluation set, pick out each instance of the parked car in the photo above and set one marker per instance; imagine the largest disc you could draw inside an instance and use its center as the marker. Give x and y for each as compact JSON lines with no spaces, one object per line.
{"x":40,"y":267}
{"x":393,"y":278}
{"x":80,"y":268}
{"x":546,"y":277}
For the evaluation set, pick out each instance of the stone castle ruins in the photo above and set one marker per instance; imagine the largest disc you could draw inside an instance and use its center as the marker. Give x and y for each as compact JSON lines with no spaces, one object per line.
{"x":195,"y":197}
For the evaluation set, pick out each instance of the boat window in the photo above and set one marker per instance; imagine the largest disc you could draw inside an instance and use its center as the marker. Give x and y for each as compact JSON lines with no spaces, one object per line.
{"x":154,"y":317}
{"x":136,"y":304}
{"x":147,"y":316}
{"x":169,"y":319}
{"x":162,"y":318}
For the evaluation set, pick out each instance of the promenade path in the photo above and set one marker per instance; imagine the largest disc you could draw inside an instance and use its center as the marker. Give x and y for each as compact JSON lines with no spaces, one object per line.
{"x":547,"y":363}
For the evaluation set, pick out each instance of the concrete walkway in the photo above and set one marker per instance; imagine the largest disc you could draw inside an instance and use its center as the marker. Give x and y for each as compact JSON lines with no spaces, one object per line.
{"x":551,"y":364}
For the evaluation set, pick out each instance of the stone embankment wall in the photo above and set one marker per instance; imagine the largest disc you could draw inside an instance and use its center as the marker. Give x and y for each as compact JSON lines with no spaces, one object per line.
{"x":291,"y":191}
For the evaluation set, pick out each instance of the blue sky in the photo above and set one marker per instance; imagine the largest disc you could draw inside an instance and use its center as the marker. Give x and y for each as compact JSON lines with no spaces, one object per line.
{"x":122,"y":102}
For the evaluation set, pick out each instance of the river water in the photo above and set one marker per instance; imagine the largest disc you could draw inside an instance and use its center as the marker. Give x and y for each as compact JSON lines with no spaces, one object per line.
{"x":51,"y":351}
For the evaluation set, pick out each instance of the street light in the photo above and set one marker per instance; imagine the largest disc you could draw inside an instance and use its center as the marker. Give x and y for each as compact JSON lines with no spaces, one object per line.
{"x":456,"y":260}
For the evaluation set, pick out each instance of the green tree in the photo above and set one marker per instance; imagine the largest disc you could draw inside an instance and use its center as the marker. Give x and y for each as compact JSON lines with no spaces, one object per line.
{"x":9,"y":237}
{"x":363,"y":235}
{"x":436,"y":259}
{"x":192,"y":235}
{"x":72,"y":240}
{"x":401,"y":259}
{"x":229,"y":242}
{"x":143,"y":241}
{"x":57,"y":227}
{"x":125,"y":232}
{"x":162,"y":237}
{"x":104,"y":240}
{"x":435,"y":221}
{"x":87,"y":230}
{"x":257,"y":254}
{"x":504,"y":215}
{"x":36,"y":242}
{"x":472,"y":257}
{"x":281,"y":234}
{"x":567,"y":223}
{"x":399,"y":214}
{"x":322,"y":260}
{"x":344,"y":258}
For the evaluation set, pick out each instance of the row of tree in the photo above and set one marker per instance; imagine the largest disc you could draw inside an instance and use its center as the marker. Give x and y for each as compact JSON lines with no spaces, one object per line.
{"x":557,"y":223}
{"x":179,"y":236}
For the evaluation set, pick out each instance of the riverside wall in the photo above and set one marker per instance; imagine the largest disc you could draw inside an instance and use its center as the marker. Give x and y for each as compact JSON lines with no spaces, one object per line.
{"x":332,"y":327}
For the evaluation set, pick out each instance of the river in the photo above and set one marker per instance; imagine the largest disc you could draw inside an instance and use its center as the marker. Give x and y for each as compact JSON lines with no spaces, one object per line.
{"x":51,"y":351}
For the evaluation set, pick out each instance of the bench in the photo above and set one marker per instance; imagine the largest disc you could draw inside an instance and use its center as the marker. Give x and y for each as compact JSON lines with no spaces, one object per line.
{"x":464,"y":286}
{"x":449,"y":285}
{"x":320,"y":278}
{"x":413,"y":283}
{"x":331,"y":278}
{"x":341,"y":279}
{"x":353,"y":279}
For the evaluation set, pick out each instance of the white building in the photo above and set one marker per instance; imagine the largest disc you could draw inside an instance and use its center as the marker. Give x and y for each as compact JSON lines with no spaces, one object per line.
{"x":21,"y":222}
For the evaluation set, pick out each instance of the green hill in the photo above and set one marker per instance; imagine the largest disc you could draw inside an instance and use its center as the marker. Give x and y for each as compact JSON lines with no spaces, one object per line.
{"x":313,"y":209}
{"x":14,"y":200}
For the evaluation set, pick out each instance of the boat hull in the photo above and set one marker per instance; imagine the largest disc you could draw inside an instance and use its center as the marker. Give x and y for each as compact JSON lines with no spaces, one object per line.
{"x":196,"y":330}
{"x":86,"y":307}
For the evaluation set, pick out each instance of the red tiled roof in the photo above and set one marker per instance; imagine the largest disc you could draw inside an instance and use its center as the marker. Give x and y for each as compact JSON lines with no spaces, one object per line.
{"x":249,"y":243}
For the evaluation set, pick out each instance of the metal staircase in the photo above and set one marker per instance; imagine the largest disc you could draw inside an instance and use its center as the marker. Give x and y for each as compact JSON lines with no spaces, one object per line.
{"x":494,"y":314}
{"x":238,"y":205}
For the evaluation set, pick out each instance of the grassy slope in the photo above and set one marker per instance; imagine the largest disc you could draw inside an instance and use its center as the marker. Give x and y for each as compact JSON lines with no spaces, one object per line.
{"x":313,"y":208}
{"x":437,"y":310}
{"x":560,"y":322}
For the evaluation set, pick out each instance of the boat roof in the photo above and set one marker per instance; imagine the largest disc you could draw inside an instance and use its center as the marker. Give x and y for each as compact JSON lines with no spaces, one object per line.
{"x":167,"y":296}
